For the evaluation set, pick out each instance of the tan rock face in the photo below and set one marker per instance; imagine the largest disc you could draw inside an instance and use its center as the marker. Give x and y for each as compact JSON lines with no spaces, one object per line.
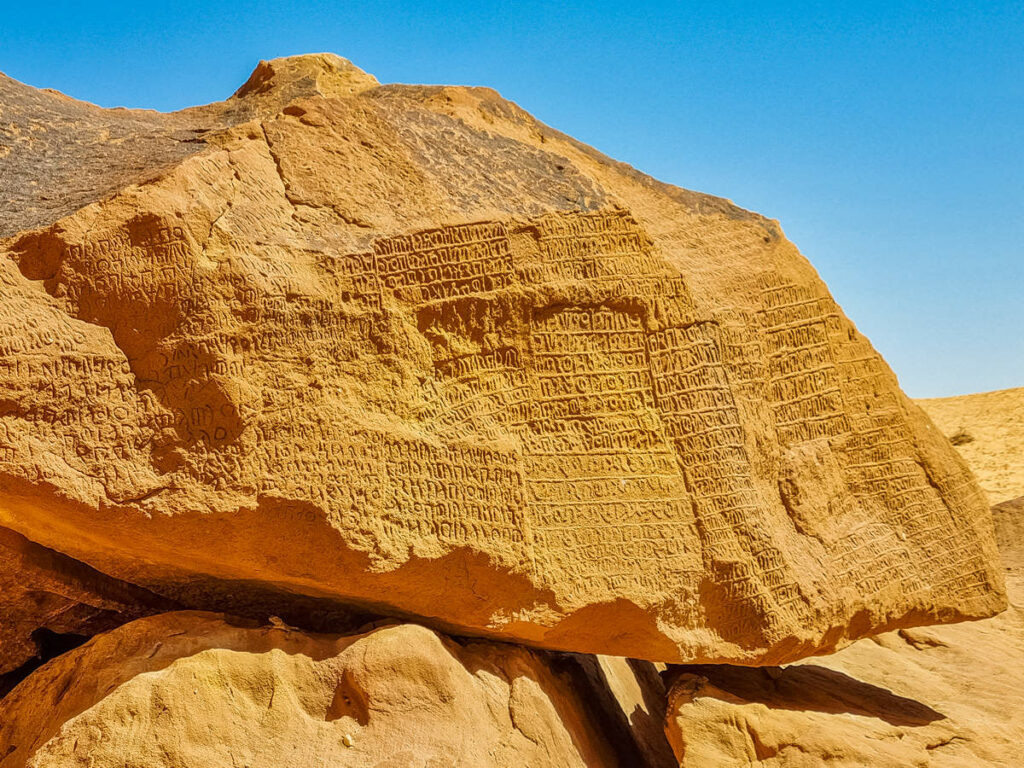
{"x":943,"y":696}
{"x":190,"y":689}
{"x":408,"y":348}
{"x":988,"y":431}
{"x":1008,"y":519}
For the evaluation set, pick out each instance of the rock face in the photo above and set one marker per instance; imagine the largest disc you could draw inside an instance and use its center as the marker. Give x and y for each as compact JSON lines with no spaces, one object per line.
{"x":943,"y":696}
{"x":988,"y":431}
{"x":1008,"y":518}
{"x":406,"y":348}
{"x":190,"y":689}
{"x":947,"y":696}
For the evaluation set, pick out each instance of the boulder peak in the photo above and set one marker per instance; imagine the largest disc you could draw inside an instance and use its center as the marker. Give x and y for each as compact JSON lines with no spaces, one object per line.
{"x":322,"y":74}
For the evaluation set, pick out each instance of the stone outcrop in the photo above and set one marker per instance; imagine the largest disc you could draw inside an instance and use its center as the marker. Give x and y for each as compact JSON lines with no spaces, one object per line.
{"x":988,"y":431}
{"x":945,"y":696}
{"x":408,"y":349}
{"x":1008,"y":519}
{"x":942,"y":696}
{"x":194,"y":689}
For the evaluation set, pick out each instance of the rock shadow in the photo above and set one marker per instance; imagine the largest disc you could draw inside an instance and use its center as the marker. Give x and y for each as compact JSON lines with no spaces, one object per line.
{"x":809,"y":687}
{"x":637,"y":736}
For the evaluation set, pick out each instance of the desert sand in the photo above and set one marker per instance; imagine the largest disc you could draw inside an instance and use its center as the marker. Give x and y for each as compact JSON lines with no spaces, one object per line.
{"x":988,"y":431}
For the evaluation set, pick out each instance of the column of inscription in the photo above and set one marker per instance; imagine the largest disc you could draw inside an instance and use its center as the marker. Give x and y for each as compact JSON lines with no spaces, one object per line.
{"x":141,"y":266}
{"x":590,"y":247}
{"x":445,"y":263}
{"x":743,"y":357}
{"x":73,"y":400}
{"x":455,"y":494}
{"x":485,"y":393}
{"x":803,"y":383}
{"x":355,"y":279}
{"x":700,"y":415}
{"x":882,"y":465}
{"x":374,"y":483}
{"x":812,"y":398}
{"x":602,"y":485}
{"x":323,"y":463}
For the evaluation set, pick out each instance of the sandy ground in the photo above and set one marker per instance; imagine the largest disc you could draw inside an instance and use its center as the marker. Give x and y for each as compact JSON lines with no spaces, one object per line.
{"x":988,"y":430}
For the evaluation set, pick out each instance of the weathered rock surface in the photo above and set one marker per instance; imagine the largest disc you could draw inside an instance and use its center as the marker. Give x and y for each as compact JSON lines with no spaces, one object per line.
{"x":946,"y":696}
{"x":406,"y":347}
{"x":988,"y":431}
{"x":190,"y":689}
{"x":942,"y":696}
{"x":1008,"y":518}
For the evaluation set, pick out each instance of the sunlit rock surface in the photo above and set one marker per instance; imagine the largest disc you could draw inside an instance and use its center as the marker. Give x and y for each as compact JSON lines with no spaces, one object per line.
{"x":194,"y":689}
{"x":406,"y":348}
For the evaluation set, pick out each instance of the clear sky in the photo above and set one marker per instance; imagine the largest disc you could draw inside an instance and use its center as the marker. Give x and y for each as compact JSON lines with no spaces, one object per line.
{"x":887,"y":137}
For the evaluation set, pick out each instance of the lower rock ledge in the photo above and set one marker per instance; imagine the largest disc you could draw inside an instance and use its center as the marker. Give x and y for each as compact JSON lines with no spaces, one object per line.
{"x":193,"y":688}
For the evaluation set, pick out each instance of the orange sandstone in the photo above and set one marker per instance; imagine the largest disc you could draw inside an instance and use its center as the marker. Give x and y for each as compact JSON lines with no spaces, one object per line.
{"x":194,"y":689}
{"x":407,"y":348}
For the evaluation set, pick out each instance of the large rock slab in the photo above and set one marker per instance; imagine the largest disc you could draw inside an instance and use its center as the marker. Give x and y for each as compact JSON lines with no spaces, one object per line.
{"x":942,"y":696}
{"x":406,"y":347}
{"x":192,"y":689}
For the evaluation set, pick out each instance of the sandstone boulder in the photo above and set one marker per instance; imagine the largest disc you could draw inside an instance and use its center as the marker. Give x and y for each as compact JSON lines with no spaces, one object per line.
{"x":407,"y":348}
{"x":942,"y":696}
{"x":194,"y":689}
{"x":1008,"y":518}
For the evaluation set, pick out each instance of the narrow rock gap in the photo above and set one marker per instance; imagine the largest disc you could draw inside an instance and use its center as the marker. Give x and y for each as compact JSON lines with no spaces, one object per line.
{"x":51,"y":645}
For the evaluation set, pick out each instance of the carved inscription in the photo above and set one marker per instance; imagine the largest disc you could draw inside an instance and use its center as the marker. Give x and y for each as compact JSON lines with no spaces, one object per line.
{"x":545,"y":391}
{"x":591,"y":248}
{"x":443,"y":263}
{"x":597,"y":457}
{"x":803,"y":379}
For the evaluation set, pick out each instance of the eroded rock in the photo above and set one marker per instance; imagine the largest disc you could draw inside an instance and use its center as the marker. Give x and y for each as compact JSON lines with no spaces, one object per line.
{"x":942,"y":696}
{"x":407,"y":348}
{"x":1008,"y":519}
{"x":193,"y":688}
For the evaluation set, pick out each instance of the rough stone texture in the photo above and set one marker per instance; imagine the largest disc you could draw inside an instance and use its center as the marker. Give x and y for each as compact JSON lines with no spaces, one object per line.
{"x":1008,"y":518}
{"x":58,"y":154}
{"x":405,"y":347}
{"x":42,"y":592}
{"x":946,"y":696}
{"x":988,"y":431}
{"x":189,"y":689}
{"x":943,"y":696}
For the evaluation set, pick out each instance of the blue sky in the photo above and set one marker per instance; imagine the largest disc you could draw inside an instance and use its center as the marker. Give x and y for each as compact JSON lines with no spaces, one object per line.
{"x":888,"y":138}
